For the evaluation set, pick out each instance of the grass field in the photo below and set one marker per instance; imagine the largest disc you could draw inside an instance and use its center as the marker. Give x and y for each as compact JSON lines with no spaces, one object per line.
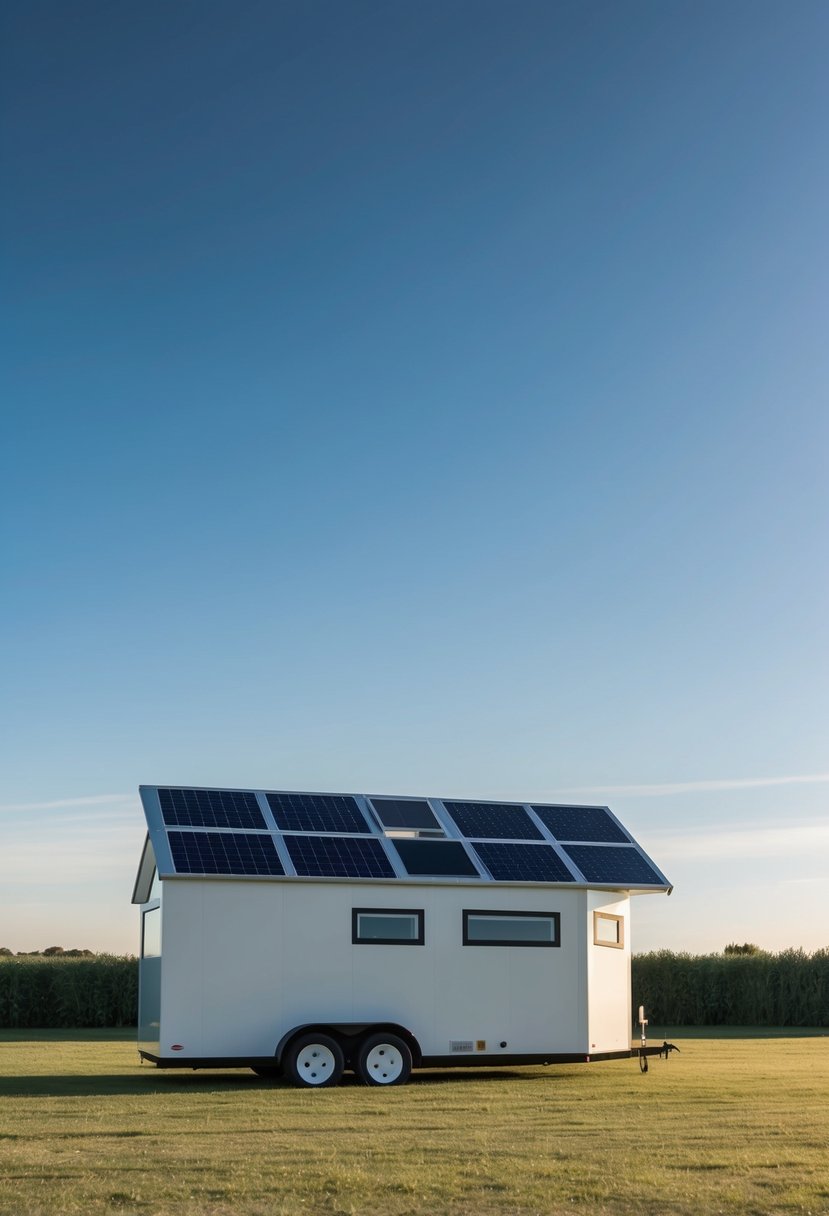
{"x":734,"y":1124}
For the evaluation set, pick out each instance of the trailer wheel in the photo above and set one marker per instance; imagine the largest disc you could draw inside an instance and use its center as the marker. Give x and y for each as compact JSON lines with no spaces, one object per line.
{"x":314,"y":1061}
{"x":384,"y":1059}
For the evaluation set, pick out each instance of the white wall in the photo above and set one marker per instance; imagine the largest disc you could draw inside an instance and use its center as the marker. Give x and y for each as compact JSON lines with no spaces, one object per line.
{"x":245,"y":961}
{"x":608,"y":978}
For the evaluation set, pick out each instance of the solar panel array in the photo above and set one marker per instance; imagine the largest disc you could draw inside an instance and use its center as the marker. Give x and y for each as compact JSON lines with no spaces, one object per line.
{"x":228,"y":832}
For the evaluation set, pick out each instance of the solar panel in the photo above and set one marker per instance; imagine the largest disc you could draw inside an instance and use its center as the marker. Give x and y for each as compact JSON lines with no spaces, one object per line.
{"x":412,"y":813}
{"x":436,"y":858}
{"x":620,"y":865}
{"x":338,"y":857}
{"x":523,"y":862}
{"x":224,"y":853}
{"x":498,"y":820}
{"x":580,"y":823}
{"x":317,"y":813}
{"x":210,"y":809}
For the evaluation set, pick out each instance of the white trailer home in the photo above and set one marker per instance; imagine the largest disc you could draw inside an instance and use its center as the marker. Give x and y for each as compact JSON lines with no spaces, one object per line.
{"x":312,"y":933}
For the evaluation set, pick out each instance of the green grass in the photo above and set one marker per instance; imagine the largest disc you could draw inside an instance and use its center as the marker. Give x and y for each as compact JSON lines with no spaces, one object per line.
{"x":732,"y":1125}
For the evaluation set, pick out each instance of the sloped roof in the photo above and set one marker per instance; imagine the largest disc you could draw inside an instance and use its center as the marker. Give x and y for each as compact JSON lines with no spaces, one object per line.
{"x":294,"y":836}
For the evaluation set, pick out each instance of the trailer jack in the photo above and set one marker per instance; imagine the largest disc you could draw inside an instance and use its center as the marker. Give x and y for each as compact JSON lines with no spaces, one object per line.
{"x":643,"y":1051}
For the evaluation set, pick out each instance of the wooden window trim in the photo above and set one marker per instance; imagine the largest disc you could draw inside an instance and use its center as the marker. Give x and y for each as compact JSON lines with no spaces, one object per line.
{"x":619,"y":944}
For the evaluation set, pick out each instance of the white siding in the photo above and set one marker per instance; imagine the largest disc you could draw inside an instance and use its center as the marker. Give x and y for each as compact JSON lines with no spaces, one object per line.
{"x":608,"y":978}
{"x":244,"y":962}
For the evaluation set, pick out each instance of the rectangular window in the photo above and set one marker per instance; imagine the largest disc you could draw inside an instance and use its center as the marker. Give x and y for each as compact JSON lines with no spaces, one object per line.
{"x":511,"y":928}
{"x":608,"y":930}
{"x":387,"y":926}
{"x":151,"y":933}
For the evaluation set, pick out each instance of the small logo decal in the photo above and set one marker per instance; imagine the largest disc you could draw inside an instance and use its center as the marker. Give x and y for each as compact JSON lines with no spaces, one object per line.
{"x":177,"y":1047}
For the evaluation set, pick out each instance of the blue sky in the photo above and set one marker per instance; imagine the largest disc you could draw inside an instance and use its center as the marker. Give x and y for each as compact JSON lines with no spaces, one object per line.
{"x":421,"y":399}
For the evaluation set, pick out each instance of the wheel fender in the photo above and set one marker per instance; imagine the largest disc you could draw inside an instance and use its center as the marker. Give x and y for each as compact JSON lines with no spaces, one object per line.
{"x":347,"y":1034}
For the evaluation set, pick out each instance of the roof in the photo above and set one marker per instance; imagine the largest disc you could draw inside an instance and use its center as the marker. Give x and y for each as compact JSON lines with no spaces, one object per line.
{"x":291,"y":836}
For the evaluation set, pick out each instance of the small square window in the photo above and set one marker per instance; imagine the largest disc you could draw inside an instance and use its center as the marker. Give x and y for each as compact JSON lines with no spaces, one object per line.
{"x":387,"y":926}
{"x":608,"y":930}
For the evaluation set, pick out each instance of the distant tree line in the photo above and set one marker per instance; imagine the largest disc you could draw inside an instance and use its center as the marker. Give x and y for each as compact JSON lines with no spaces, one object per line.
{"x":49,"y":952}
{"x":743,"y":986}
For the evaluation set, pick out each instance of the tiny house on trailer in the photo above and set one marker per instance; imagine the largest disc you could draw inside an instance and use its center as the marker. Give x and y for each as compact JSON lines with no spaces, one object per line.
{"x":312,"y":933}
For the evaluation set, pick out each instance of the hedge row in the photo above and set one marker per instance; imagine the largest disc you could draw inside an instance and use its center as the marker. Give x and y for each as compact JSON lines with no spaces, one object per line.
{"x":786,"y":989}
{"x":58,"y":993}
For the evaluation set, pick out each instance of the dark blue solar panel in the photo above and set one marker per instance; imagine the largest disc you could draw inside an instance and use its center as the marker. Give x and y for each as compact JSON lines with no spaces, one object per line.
{"x":523,"y":862}
{"x":338,"y":857}
{"x":617,"y":864}
{"x":210,"y":809}
{"x":413,"y":813}
{"x":447,"y":858}
{"x":493,"y":820}
{"x":224,"y":853}
{"x":317,"y":813}
{"x":580,"y":823}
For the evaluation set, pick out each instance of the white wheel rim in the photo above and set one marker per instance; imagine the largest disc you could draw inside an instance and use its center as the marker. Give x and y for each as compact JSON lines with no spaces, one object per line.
{"x":315,"y":1064}
{"x":384,"y":1064}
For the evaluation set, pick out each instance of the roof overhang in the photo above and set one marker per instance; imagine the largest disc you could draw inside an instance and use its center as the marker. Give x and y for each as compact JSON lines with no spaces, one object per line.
{"x":146,"y":871}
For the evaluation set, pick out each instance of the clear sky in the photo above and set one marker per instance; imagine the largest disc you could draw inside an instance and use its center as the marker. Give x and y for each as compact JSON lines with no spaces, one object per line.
{"x":418,"y":398}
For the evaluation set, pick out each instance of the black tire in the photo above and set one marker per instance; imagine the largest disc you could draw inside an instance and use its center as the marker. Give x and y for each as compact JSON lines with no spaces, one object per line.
{"x":314,"y":1061}
{"x":267,"y":1072}
{"x":384,"y":1059}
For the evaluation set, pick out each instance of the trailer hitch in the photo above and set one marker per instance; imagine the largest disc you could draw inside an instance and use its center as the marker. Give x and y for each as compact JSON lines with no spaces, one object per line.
{"x":663,"y":1052}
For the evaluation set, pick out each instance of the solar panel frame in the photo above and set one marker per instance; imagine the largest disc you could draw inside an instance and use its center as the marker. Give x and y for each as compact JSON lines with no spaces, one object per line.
{"x":409,"y":851}
{"x":228,"y":854}
{"x":331,"y":814}
{"x":338,"y":856}
{"x":185,"y":806}
{"x":405,"y":814}
{"x":492,"y":820}
{"x":520,"y":861}
{"x":614,"y":865}
{"x":581,"y":823}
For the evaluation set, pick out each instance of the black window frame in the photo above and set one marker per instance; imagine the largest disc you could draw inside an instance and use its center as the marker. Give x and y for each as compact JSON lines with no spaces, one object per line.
{"x":356,"y":940}
{"x":145,"y":912}
{"x":495,"y":913}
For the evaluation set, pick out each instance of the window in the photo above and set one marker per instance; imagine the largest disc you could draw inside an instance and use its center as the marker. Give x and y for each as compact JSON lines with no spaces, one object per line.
{"x":511,"y":928}
{"x":151,"y":933}
{"x":608,"y":930}
{"x":387,"y":926}
{"x":155,"y":888}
